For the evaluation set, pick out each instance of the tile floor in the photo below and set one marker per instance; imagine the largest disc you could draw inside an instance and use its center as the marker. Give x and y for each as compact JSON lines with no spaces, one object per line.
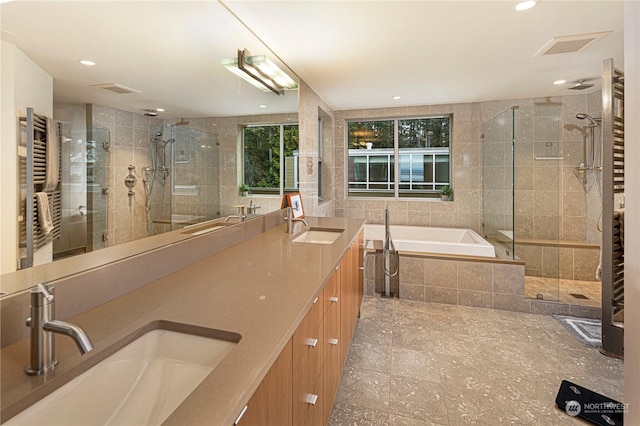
{"x":415,"y":363}
{"x":560,"y":290}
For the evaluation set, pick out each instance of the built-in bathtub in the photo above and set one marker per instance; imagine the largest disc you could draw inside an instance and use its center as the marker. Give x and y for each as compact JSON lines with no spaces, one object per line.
{"x":458,"y":267}
{"x":419,"y":239}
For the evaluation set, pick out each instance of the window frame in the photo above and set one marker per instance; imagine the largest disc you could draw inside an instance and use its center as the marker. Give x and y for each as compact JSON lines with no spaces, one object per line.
{"x":431,"y":195}
{"x":281,"y":171}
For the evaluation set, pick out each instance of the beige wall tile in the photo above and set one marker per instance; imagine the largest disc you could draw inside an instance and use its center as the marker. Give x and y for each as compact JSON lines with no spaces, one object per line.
{"x":480,"y":299}
{"x":441,"y":295}
{"x":508,"y":279}
{"x":412,"y":292}
{"x":411,"y":270}
{"x":509,"y":302}
{"x":475,"y":276}
{"x":441,"y":273}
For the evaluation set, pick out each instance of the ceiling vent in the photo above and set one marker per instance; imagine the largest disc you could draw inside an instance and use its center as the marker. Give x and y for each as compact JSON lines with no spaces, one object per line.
{"x":115,"y":87}
{"x":570,"y":43}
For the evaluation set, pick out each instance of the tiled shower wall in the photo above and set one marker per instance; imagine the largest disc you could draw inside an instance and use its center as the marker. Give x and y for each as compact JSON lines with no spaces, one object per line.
{"x":129,"y":146}
{"x":551,"y":198}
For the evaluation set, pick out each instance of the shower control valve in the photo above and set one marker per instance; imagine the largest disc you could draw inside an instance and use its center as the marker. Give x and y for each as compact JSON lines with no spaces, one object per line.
{"x":130,"y":180}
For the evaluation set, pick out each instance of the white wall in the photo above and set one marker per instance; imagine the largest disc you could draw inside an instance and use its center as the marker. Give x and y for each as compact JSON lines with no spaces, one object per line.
{"x":23,"y":84}
{"x":632,"y":212}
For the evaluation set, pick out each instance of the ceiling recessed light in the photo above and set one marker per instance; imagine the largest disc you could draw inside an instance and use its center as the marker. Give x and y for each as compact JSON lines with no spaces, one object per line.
{"x":560,"y":82}
{"x":525,"y":5}
{"x":262,"y":106}
{"x":87,"y":62}
{"x":395,"y":98}
{"x":160,"y":109}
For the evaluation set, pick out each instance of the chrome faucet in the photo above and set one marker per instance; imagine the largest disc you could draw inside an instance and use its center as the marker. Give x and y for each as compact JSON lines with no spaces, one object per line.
{"x":43,"y":326}
{"x":252,"y":209}
{"x":240,"y":216}
{"x":290,"y":219}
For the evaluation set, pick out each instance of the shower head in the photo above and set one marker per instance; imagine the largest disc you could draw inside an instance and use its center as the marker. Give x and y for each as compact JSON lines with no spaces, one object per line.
{"x":593,"y":121}
{"x":581,"y":85}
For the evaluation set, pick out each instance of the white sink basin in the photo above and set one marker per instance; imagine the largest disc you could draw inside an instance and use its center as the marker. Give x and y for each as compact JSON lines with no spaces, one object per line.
{"x":319,"y":236}
{"x":141,"y":384}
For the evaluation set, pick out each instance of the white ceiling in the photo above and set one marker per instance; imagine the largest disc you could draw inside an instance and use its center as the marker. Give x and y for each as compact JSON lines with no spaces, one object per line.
{"x":355,"y":54}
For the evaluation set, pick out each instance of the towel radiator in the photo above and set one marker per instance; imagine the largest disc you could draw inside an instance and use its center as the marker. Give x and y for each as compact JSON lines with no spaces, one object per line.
{"x":32,"y":156}
{"x":612,"y":184}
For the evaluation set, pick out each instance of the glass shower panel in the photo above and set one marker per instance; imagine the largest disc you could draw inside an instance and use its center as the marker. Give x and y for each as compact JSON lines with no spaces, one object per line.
{"x":537,"y":191}
{"x":73,"y":171}
{"x":98,"y":160}
{"x":195,"y":177}
{"x":497,"y":182}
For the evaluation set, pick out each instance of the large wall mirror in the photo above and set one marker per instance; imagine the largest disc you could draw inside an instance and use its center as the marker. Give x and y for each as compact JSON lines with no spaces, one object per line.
{"x":149,"y":134}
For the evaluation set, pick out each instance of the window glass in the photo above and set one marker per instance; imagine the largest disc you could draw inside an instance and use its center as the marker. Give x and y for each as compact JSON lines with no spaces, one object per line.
{"x":422,"y":146}
{"x":371,"y":158}
{"x":264,"y":148}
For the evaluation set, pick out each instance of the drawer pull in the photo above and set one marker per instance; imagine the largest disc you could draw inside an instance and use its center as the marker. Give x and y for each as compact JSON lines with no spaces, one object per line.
{"x":311,"y":399}
{"x":334,"y":299}
{"x":315,"y":300}
{"x":334,"y":342}
{"x":240,"y":415}
{"x":312,"y":342}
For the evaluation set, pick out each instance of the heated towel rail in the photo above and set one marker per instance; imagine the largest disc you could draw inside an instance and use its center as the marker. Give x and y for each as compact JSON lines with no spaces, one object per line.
{"x":33,"y":168}
{"x":612,"y":184}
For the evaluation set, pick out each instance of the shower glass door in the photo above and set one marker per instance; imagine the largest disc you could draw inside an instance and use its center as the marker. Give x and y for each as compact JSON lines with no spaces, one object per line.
{"x":195,"y":178}
{"x":98,"y":144}
{"x":497,"y":182}
{"x":538,"y":159}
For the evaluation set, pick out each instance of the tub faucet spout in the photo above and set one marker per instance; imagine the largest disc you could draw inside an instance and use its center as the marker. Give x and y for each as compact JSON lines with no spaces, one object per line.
{"x":43,"y":326}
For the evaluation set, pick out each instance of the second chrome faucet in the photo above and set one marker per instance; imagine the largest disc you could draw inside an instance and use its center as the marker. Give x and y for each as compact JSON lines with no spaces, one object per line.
{"x":290,"y":219}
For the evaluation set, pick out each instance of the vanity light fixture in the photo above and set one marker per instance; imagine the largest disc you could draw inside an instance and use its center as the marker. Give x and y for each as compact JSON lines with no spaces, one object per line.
{"x":160,"y":109}
{"x":87,"y":62}
{"x":262,"y":106}
{"x":558,"y":82}
{"x":526,"y":5}
{"x":395,"y":98}
{"x":261,"y":72}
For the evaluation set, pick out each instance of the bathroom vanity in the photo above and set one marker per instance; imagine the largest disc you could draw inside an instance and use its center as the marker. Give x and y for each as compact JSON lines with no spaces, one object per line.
{"x":292,"y":307}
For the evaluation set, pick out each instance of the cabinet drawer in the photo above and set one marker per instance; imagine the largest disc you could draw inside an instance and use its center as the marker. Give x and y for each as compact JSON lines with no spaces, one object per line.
{"x":306,"y":332}
{"x":331,"y":290}
{"x":331,"y":326}
{"x":331,"y":373}
{"x":306,"y":374}
{"x":315,"y":413}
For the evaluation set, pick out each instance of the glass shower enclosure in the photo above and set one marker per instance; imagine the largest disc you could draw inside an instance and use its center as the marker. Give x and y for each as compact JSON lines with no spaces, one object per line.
{"x":522,"y":175}
{"x":182,"y":180}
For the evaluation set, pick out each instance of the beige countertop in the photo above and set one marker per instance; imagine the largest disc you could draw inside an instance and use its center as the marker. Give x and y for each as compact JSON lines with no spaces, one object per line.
{"x":260,"y":289}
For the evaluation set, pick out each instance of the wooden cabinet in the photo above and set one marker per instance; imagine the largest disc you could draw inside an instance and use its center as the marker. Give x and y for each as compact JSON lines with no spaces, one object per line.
{"x":332,"y":368}
{"x":271,"y":402}
{"x":301,"y":386}
{"x":308,"y":340}
{"x":351,"y":291}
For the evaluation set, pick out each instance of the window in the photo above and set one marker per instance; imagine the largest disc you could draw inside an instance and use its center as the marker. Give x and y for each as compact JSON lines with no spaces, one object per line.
{"x":399,"y":158}
{"x":264,"y":149}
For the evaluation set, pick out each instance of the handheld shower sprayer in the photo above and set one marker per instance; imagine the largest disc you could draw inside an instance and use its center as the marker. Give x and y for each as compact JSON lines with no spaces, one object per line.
{"x":594,"y":121}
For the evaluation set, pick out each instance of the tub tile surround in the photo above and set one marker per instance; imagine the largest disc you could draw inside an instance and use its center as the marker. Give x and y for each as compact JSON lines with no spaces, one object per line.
{"x":440,"y":364}
{"x":478,"y":282}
